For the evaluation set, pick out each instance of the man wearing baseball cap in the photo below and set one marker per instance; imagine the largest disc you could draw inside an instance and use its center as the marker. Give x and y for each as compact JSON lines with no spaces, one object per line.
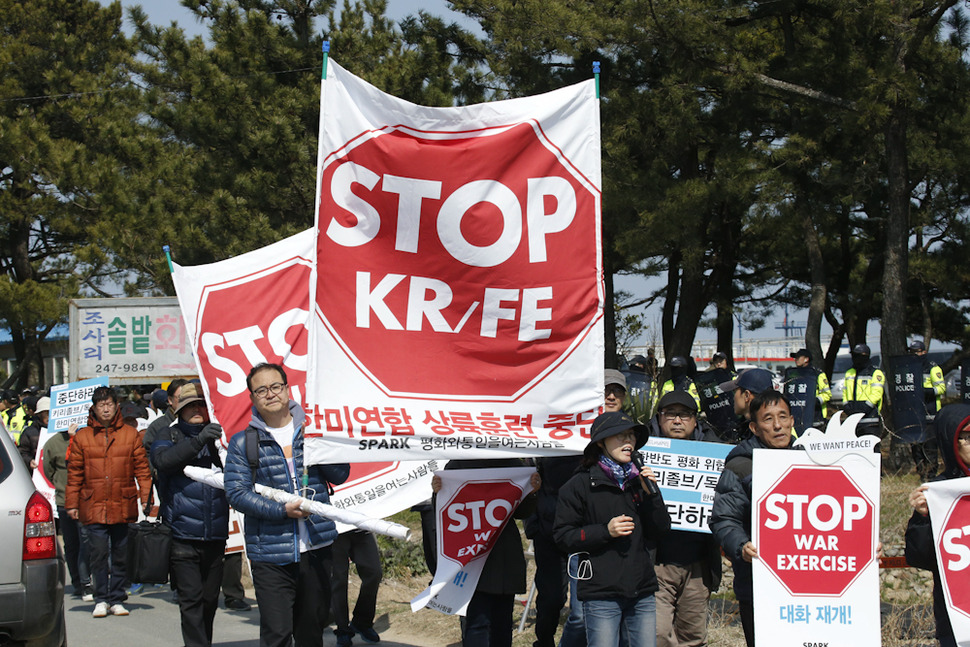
{"x":748,"y":384}
{"x":688,"y":563}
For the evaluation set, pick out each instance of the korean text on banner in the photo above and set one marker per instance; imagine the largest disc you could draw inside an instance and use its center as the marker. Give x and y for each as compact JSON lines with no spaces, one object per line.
{"x":687,"y":473}
{"x":254,"y":308}
{"x":458,"y":295}
{"x":472,"y":509}
{"x":949,"y":505}
{"x":816,"y":527}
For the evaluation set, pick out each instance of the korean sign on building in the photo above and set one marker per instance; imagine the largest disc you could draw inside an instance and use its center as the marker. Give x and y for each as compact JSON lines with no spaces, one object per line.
{"x":131,"y":340}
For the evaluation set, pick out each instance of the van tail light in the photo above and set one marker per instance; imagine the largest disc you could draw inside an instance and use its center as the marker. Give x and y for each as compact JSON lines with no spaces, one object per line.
{"x":40,"y":540}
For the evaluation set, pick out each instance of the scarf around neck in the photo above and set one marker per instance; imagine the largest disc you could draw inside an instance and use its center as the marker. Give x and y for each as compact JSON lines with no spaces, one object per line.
{"x":621,"y":474}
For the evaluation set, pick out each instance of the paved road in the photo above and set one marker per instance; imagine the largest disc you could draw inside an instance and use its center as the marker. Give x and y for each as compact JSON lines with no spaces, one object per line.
{"x":154,"y":622}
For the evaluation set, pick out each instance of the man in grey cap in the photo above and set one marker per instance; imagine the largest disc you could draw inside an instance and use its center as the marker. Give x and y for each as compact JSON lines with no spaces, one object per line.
{"x":614,"y":390}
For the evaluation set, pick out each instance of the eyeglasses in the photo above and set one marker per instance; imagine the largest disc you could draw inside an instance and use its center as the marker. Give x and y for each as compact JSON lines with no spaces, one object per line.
{"x":615,"y":390}
{"x":964,"y":439}
{"x":276,"y":388}
{"x":673,"y":415}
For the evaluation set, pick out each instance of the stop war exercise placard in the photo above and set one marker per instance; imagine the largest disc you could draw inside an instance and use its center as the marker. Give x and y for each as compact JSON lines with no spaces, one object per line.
{"x":816,"y":528}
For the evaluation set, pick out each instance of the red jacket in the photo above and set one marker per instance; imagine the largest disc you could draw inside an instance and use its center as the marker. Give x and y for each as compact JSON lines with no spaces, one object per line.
{"x":105,"y":464}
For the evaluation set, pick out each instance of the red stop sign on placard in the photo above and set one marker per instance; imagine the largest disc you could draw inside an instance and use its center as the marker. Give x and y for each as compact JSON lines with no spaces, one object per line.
{"x":474,"y":517}
{"x":954,"y":551}
{"x":248,"y":321}
{"x":817,"y":530}
{"x":461,"y":250}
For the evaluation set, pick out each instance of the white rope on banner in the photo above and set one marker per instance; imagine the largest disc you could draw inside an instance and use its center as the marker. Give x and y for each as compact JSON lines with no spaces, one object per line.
{"x":349,"y":517}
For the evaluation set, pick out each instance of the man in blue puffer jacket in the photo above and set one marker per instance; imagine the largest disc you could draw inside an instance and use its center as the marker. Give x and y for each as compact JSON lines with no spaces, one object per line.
{"x":289,"y":550}
{"x":198,"y":514}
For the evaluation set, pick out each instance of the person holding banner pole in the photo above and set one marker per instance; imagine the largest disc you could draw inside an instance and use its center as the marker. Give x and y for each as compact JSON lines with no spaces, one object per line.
{"x":289,"y":549}
{"x":488,"y":617}
{"x":610,"y":514}
{"x":953,"y":435}
{"x":198,"y":514}
{"x":771,"y":425}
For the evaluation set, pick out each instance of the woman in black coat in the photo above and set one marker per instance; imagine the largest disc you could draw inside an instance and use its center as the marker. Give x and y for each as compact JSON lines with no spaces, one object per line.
{"x":610,"y":513}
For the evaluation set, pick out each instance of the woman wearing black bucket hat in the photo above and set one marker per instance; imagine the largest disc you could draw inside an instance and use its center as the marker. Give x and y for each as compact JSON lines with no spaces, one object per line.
{"x":608,"y":514}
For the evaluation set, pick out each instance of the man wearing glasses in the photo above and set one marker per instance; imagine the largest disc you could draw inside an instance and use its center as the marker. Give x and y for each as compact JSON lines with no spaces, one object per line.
{"x":688,"y":563}
{"x":289,"y":550}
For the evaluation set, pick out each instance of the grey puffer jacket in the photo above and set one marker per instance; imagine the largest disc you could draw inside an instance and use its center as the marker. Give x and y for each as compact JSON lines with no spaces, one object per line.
{"x":271,"y":536}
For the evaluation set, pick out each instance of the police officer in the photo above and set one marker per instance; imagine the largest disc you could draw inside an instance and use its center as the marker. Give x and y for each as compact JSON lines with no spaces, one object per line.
{"x":14,"y":415}
{"x":926,"y":454}
{"x":680,"y":380}
{"x":804,"y":373}
{"x":716,"y":404}
{"x":864,"y":388}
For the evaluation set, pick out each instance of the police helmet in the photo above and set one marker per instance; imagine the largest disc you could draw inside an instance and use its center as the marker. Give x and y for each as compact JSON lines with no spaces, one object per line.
{"x":861,"y":349}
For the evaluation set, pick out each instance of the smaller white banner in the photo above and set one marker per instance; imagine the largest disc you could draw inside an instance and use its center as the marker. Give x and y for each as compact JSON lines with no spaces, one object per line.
{"x":949,"y":504}
{"x":472,"y":509}
{"x":70,"y":403}
{"x":687,"y":472}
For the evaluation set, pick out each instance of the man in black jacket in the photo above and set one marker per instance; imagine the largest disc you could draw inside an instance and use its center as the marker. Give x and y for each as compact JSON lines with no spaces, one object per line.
{"x":771,"y":423}
{"x":198,"y":514}
{"x":688,"y":563}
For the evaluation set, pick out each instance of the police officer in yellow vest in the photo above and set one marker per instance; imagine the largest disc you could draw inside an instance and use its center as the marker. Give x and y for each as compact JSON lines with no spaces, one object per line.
{"x":864,"y":388}
{"x":926,"y":454}
{"x":680,"y":380}
{"x":934,"y":386}
{"x":14,"y":415}
{"x":823,"y":392}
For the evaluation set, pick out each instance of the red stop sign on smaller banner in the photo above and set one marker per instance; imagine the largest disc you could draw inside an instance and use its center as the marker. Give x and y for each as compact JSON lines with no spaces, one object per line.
{"x":246,"y":322}
{"x":474,"y":518}
{"x":817,"y":530}
{"x":954,"y":551}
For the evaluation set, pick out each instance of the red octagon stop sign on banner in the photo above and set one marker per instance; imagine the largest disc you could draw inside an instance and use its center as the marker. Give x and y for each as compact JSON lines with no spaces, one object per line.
{"x":234,"y":337}
{"x":817,"y":530}
{"x":953,"y":549}
{"x":484,"y":254}
{"x":473,"y":519}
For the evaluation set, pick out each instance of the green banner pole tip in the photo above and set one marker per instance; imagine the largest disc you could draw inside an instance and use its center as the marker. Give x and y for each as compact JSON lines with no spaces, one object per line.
{"x":168,"y":257}
{"x":326,"y":57}
{"x":596,"y":75}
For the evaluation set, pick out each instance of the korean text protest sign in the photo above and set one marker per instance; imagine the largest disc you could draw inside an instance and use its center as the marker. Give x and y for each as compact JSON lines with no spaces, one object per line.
{"x":472,"y":508}
{"x":70,"y":404}
{"x":255,"y":308}
{"x":132,"y":340}
{"x":816,"y":527}
{"x":687,"y":473}
{"x":949,"y":504}
{"x":458,"y":294}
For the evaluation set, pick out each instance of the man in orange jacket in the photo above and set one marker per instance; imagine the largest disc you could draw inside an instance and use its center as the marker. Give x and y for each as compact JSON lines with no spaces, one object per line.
{"x":107,"y":462}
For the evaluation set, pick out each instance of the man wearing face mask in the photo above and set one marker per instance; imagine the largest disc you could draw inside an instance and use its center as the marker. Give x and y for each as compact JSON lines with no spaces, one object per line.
{"x":198,"y":514}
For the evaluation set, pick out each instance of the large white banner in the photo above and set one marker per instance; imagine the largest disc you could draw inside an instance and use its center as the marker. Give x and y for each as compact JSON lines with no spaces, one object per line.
{"x":816,"y":528}
{"x":255,"y":308}
{"x":949,"y":504}
{"x":458,"y":298}
{"x":472,"y":508}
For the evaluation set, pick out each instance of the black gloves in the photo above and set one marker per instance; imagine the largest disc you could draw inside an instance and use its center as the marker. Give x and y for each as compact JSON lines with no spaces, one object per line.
{"x":211,"y":432}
